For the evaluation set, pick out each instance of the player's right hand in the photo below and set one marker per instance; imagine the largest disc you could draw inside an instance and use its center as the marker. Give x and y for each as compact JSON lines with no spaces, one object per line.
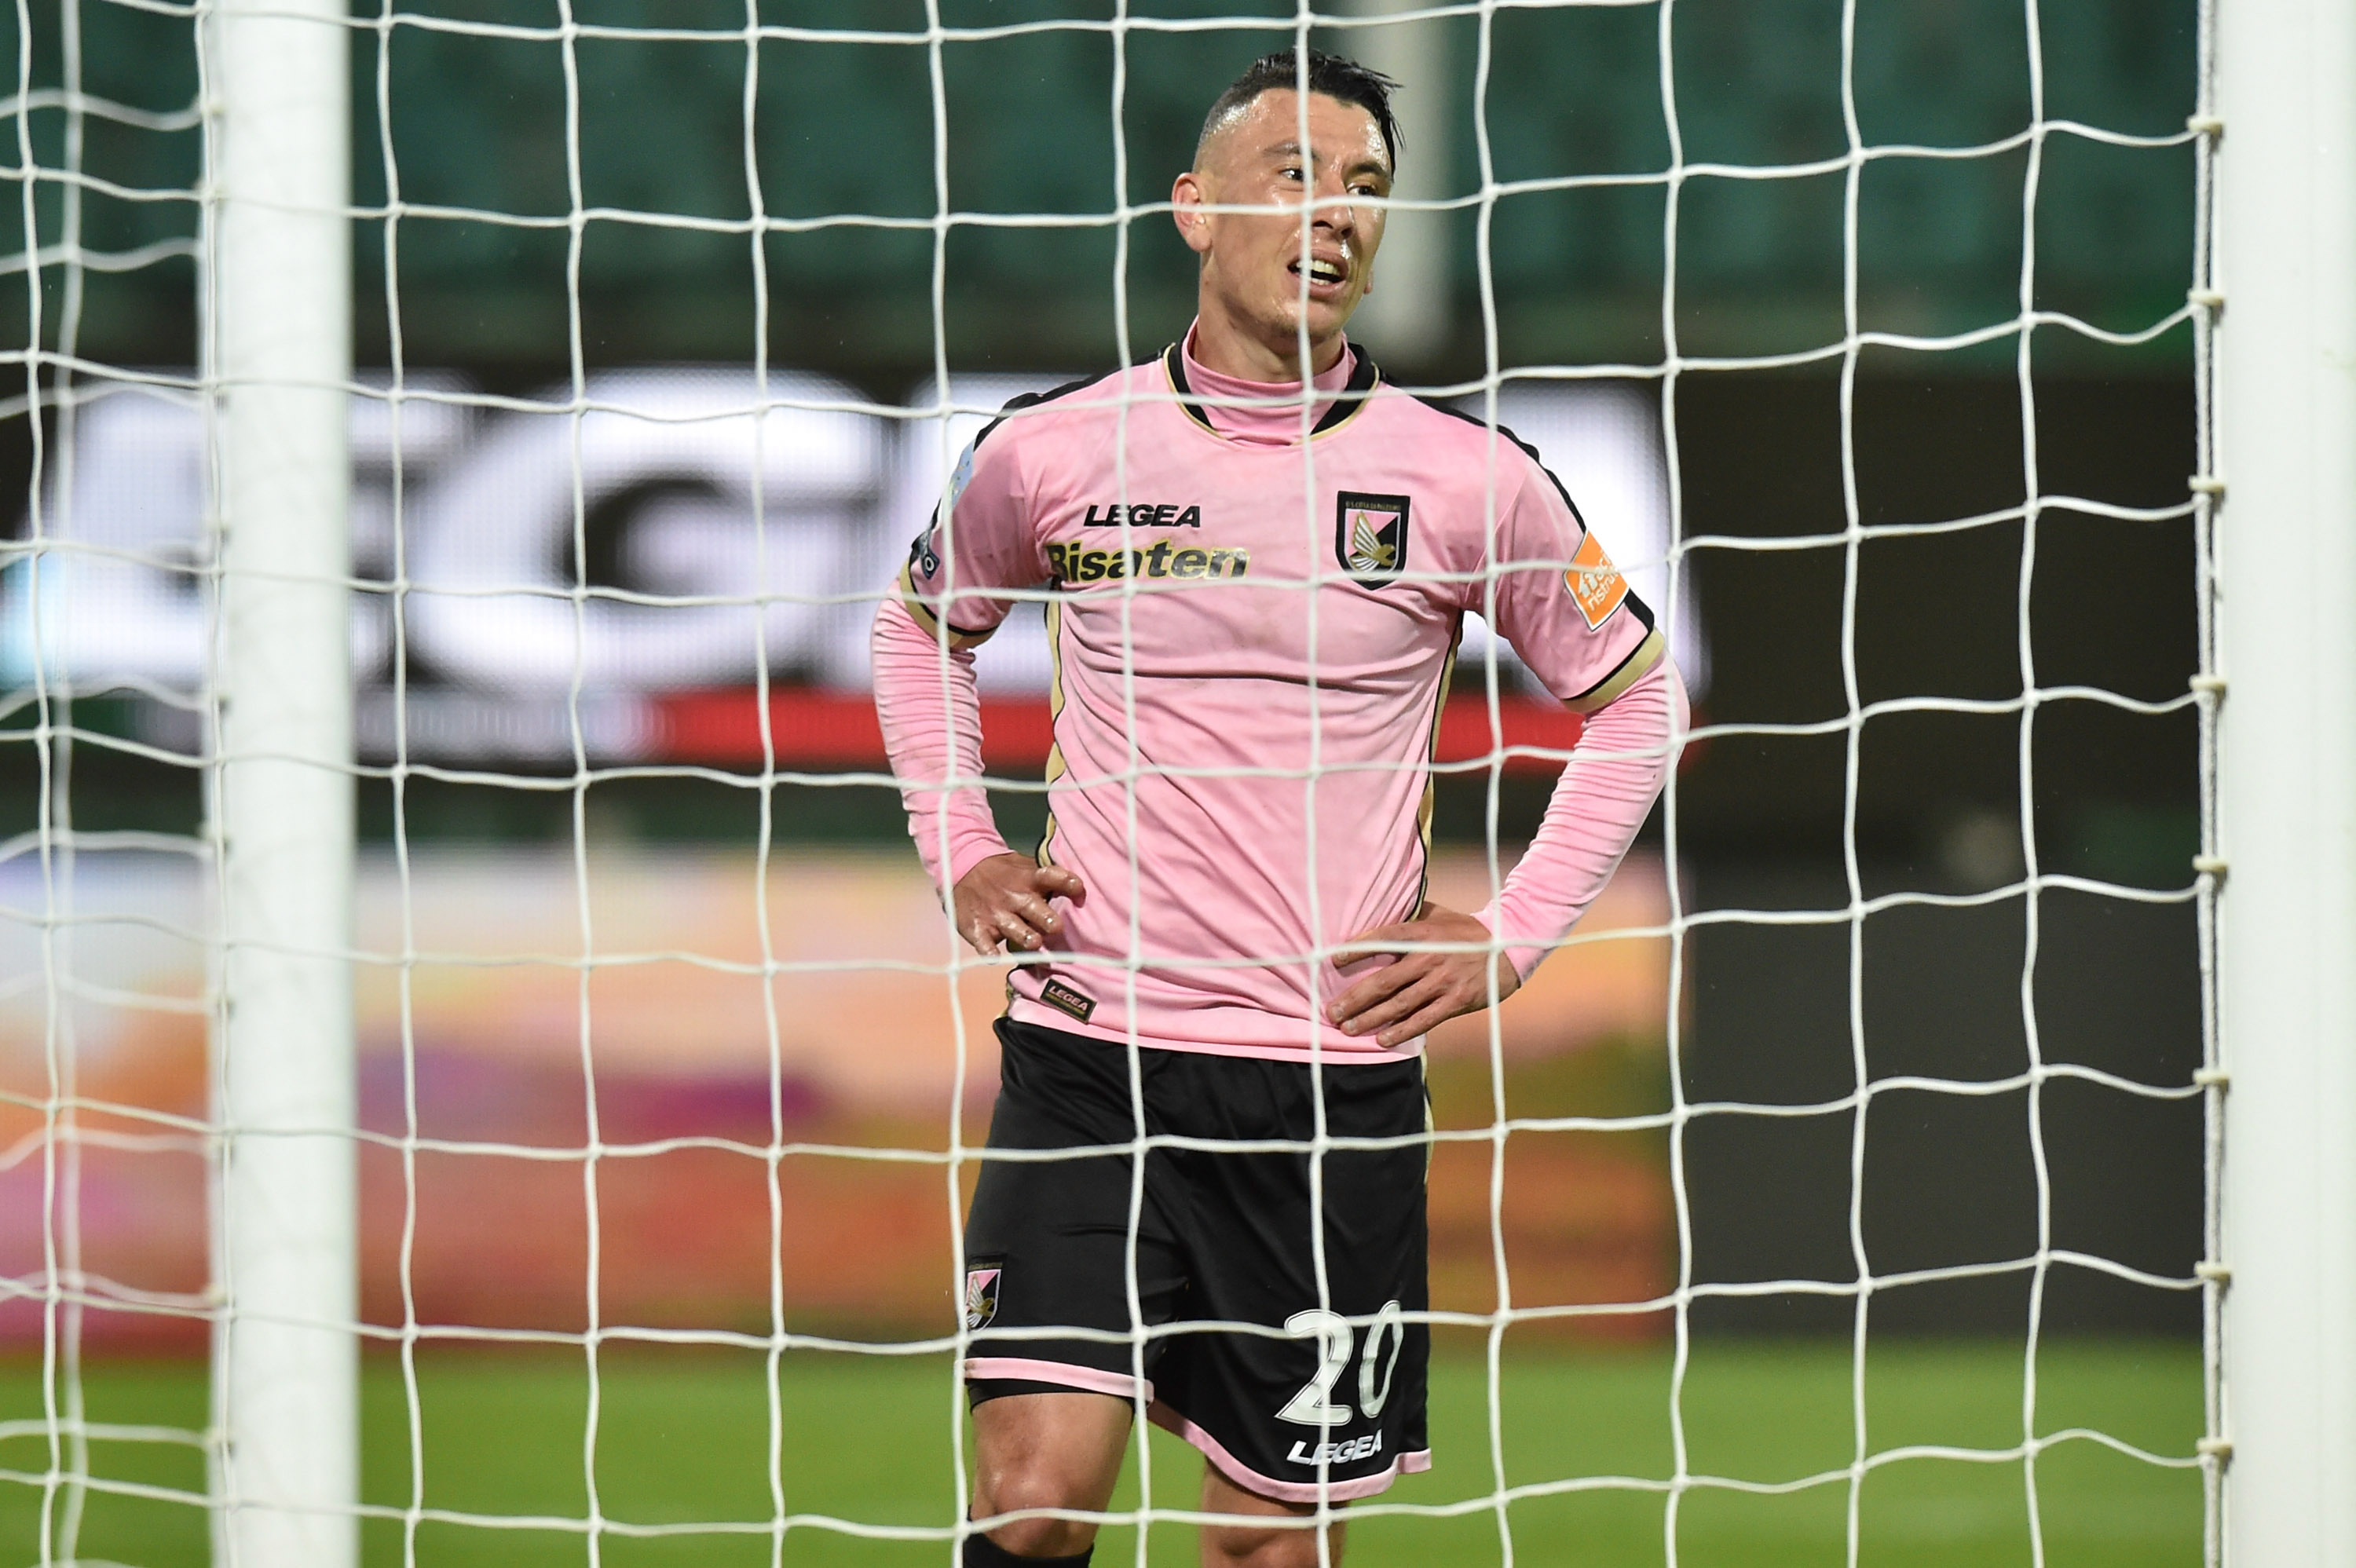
{"x":1001,"y":905}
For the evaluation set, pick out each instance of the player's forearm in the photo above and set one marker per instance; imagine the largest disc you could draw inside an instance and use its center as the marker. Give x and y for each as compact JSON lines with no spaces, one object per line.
{"x":932,"y":730}
{"x":1615,"y":773}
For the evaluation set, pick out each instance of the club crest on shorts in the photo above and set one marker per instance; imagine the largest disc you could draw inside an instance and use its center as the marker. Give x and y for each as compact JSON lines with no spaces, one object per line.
{"x":981,"y":1298}
{"x":1370,"y":536}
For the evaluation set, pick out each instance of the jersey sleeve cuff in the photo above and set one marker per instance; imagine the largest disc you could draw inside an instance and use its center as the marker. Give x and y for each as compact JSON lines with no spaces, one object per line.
{"x":1523,"y":959}
{"x":970,"y":847}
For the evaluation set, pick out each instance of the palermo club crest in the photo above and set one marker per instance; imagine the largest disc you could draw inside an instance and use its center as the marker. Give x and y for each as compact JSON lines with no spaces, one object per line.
{"x":981,"y":1298}
{"x":1370,"y":536}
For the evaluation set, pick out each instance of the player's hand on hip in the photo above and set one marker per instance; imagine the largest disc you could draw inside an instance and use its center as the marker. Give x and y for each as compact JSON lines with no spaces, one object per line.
{"x":1417,"y":991}
{"x":1002,"y":904}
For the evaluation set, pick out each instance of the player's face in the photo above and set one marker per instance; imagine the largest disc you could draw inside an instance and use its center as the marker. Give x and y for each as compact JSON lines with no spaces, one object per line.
{"x":1260,"y":266}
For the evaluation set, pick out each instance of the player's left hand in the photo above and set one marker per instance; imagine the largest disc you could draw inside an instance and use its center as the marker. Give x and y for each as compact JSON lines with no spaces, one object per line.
{"x":1418,"y":991}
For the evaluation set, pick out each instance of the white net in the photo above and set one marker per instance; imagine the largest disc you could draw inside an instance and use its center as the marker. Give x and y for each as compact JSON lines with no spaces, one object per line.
{"x":1749,"y":1217}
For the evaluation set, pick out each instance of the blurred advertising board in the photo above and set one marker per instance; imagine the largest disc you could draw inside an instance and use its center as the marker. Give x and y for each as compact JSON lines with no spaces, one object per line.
{"x":720,"y":525}
{"x":737,"y":1093}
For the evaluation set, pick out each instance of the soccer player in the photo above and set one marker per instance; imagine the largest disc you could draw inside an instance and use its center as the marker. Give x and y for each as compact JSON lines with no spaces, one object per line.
{"x":1256,"y":568}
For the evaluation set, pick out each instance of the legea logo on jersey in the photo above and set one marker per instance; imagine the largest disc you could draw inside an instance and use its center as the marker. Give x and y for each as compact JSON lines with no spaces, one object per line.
{"x":981,"y":1298}
{"x":1144,"y":515}
{"x":1594,"y":582}
{"x":1370,"y":536}
{"x":1069,"y":563}
{"x":1079,"y":1004}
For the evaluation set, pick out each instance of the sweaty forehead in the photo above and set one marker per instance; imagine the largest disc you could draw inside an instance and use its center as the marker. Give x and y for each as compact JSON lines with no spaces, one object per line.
{"x":1270,"y":124}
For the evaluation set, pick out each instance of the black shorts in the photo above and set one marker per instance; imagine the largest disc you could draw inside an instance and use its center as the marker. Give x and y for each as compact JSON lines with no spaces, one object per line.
{"x":1330,"y":1394}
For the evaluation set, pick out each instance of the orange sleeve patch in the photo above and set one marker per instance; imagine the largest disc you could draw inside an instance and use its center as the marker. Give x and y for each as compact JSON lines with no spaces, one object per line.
{"x":1594,"y":582}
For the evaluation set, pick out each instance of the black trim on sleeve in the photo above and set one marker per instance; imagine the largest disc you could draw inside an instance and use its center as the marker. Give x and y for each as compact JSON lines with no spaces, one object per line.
{"x":1022,"y":401}
{"x":1634,"y":601}
{"x":1506,"y":431}
{"x":1015,"y":404}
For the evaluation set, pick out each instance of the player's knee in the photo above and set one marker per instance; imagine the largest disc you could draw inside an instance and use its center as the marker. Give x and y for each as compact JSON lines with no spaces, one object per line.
{"x":1269,"y":1546}
{"x":1016,"y":1488}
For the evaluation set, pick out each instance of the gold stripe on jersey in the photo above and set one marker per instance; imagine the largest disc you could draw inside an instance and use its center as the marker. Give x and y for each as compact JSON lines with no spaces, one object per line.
{"x":1055,"y":766}
{"x":1356,"y":400}
{"x":1633,"y":668}
{"x":930,"y":622}
{"x":1431,"y":754}
{"x":1180,"y":390}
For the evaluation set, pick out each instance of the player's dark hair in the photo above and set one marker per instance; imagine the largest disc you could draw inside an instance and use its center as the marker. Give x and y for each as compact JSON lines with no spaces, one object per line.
{"x":1344,"y":80}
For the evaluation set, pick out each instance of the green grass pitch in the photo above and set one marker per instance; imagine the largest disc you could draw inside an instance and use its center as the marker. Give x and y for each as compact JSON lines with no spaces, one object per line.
{"x":684,"y":1436}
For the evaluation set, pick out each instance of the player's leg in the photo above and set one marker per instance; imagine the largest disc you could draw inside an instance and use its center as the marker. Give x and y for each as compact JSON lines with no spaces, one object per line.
{"x":1050,"y":1250}
{"x":1274,"y":1544}
{"x":1046,"y":1450}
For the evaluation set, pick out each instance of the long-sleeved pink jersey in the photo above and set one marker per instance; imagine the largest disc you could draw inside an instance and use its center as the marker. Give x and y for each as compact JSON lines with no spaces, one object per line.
{"x":1252,"y":644}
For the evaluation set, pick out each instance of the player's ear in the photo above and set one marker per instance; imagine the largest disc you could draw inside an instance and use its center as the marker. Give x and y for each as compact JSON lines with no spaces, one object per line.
{"x":1187,"y":198}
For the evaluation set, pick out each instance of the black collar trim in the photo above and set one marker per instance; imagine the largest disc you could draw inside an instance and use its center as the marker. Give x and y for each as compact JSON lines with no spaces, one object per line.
{"x":1365,"y":376}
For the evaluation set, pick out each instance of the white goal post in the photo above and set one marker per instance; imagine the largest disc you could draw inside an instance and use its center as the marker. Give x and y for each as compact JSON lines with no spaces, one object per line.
{"x":2285,"y":831}
{"x":278,"y":308}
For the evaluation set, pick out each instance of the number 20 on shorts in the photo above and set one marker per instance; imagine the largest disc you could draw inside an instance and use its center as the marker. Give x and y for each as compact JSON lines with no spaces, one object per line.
{"x":1314,"y":1405}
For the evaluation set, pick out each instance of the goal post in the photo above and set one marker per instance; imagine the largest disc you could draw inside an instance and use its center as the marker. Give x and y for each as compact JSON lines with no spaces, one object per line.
{"x":2285,"y":599}
{"x":279,"y":357}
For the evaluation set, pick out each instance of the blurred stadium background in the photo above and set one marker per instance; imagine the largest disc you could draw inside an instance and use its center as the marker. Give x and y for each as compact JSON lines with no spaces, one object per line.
{"x":474,"y":303}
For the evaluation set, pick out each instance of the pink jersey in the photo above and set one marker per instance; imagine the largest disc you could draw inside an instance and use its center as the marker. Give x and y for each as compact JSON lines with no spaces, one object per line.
{"x":1252,"y":645}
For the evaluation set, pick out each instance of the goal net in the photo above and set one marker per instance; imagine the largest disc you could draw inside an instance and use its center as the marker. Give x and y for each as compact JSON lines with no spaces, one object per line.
{"x":1842,"y":1186}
